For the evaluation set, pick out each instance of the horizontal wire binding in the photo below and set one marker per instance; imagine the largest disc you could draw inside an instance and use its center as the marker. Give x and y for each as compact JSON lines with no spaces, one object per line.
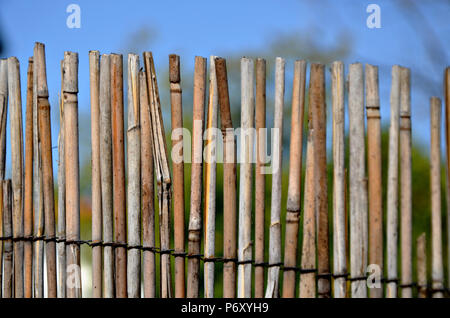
{"x":323,"y":275}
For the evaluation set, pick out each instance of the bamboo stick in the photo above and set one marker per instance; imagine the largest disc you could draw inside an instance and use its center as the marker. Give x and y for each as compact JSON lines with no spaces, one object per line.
{"x":106,"y":175}
{"x":70,"y":89}
{"x":245,"y":182}
{"x":134,"y":178}
{"x":47,"y":168}
{"x":421,"y":266}
{"x":162,"y":174}
{"x":318,"y":104}
{"x":28,"y":189}
{"x":178,"y":172}
{"x":307,"y":283}
{"x":437,"y":273}
{"x":61,"y":246}
{"x":260,"y":177}
{"x":405,"y":183}
{"x":210,"y":180}
{"x":148,"y":190}
{"x":8,"y":276}
{"x":392,"y":186}
{"x":374,"y":173}
{"x":38,"y":194}
{"x":94,"y":75}
{"x":1,"y":234}
{"x":272,"y":290}
{"x":195,"y":218}
{"x":447,"y":135}
{"x":118,"y":174}
{"x":339,"y":243}
{"x":229,"y":182}
{"x":15,"y":102}
{"x":3,"y":113}
{"x":358,"y":191}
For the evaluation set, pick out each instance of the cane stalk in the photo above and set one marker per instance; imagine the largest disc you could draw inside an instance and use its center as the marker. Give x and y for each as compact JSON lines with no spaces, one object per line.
{"x":447,"y":136}
{"x":210,"y":180}
{"x":392,"y":186}
{"x":2,"y":234}
{"x":94,"y":75}
{"x":120,"y":230}
{"x":339,"y":241}
{"x":437,"y":270}
{"x":229,"y":182}
{"x":421,"y":266}
{"x":195,"y":215}
{"x":178,"y":172}
{"x":8,"y":271}
{"x":358,"y":190}
{"x":273,"y":275}
{"x":15,"y":102}
{"x":3,"y":113}
{"x":134,"y":178}
{"x":405,"y":183}
{"x":71,"y":153}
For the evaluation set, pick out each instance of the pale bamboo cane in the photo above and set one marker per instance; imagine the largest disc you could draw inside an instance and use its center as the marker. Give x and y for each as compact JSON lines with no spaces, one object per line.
{"x":421,"y":266}
{"x":134,"y":178}
{"x":94,"y":75}
{"x":339,"y":243}
{"x":15,"y":101}
{"x":47,"y":168}
{"x":447,"y":136}
{"x":106,"y":170}
{"x":195,"y":217}
{"x":148,"y":190}
{"x":318,"y":104}
{"x":358,"y":190}
{"x":246,"y":182}
{"x":178,"y":172}
{"x":210,"y":180}
{"x":71,"y":153}
{"x":8,"y":270}
{"x":437,"y":270}
{"x":374,"y":173}
{"x":38,"y":194}
{"x":273,"y":275}
{"x":229,"y":182}
{"x":61,"y":246}
{"x":3,"y":113}
{"x":295,"y":174}
{"x":307,"y":283}
{"x":119,"y":203}
{"x":162,"y":174}
{"x":405,"y":183}
{"x":28,"y":189}
{"x":260,"y":176}
{"x":392,"y":186}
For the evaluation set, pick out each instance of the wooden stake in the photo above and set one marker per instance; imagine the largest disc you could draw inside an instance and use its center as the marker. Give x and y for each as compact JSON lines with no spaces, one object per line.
{"x":3,"y":113}
{"x":28,"y":190}
{"x":272,"y":290}
{"x":15,"y":101}
{"x":47,"y":167}
{"x":106,"y":174}
{"x":405,"y":182}
{"x":178,"y":172}
{"x":374,"y":172}
{"x":339,"y":222}
{"x":447,"y":136}
{"x":422,"y":266}
{"x":8,"y":276}
{"x":70,"y":89}
{"x":118,"y":173}
{"x":210,"y":179}
{"x":437,"y":273}
{"x":195,"y":217}
{"x":148,"y":190}
{"x":245,"y":182}
{"x":229,"y":182}
{"x":392,"y":186}
{"x":358,"y":190}
{"x":134,"y":178}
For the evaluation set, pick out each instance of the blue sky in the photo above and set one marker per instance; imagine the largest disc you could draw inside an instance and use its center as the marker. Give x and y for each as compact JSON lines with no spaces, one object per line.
{"x":191,"y":28}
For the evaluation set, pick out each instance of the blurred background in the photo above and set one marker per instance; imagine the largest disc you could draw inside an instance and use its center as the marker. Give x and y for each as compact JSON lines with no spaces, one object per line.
{"x":412,"y":33}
